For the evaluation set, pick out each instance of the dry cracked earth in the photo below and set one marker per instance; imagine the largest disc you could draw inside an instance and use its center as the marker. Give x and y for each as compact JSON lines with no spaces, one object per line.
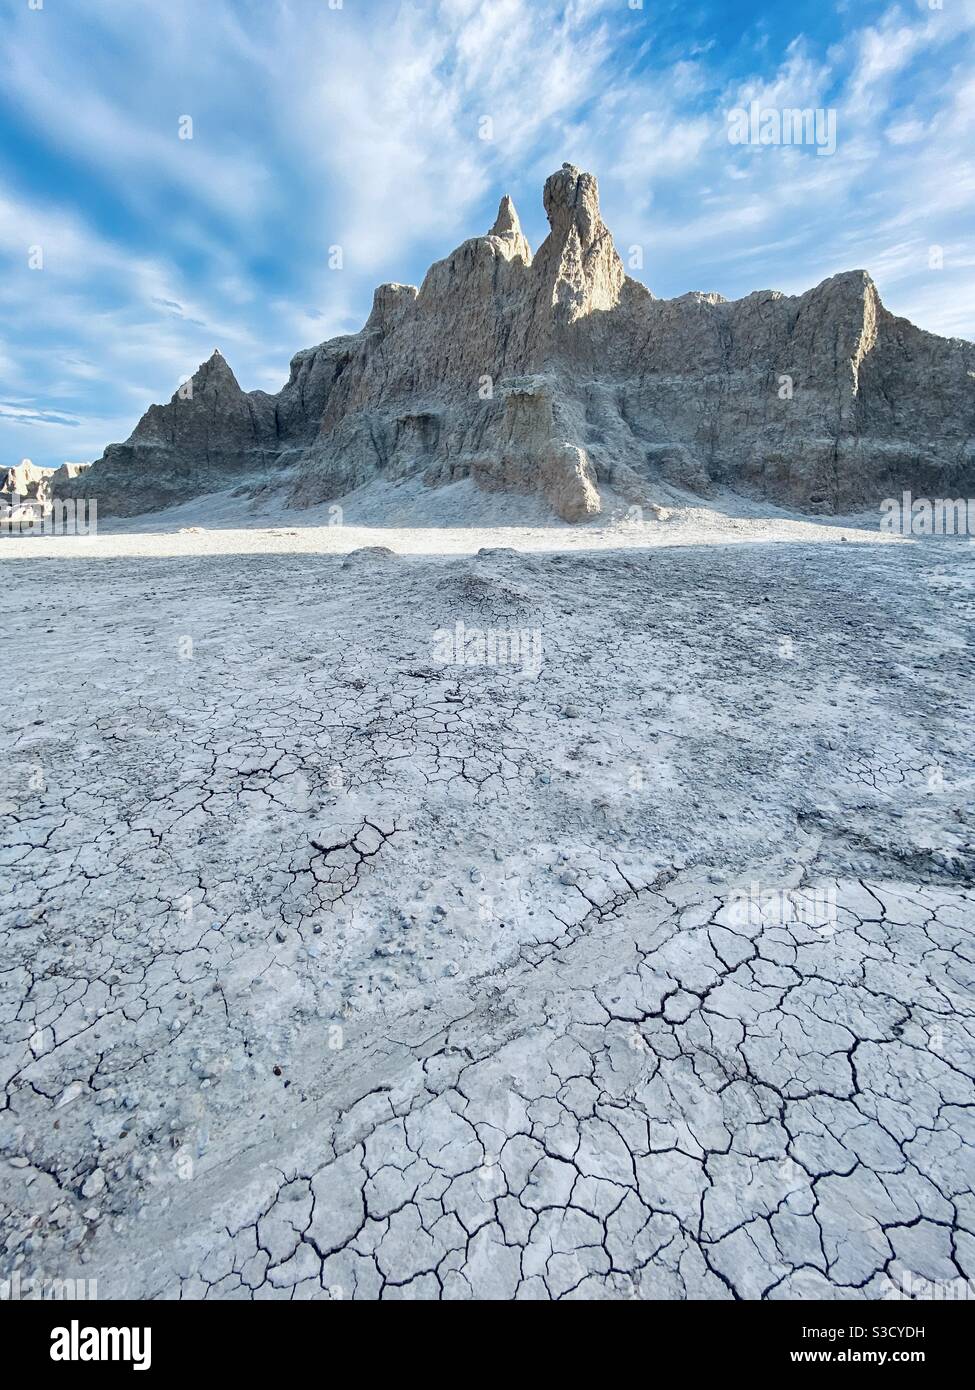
{"x":328,"y":970}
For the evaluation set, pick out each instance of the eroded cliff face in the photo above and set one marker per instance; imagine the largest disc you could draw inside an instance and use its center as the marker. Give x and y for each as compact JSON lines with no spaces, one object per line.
{"x":557,"y":373}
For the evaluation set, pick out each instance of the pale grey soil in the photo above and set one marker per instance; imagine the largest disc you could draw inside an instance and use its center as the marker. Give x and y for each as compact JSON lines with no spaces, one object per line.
{"x":328,"y":970}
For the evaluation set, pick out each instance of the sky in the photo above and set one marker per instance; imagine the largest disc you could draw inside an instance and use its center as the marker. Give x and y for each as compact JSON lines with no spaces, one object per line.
{"x":391,"y":129}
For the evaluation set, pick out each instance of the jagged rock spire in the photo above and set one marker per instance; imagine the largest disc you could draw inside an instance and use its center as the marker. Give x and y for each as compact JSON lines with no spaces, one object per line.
{"x":507,"y":218}
{"x":215,"y":374}
{"x":507,"y":228}
{"x":578,"y":256}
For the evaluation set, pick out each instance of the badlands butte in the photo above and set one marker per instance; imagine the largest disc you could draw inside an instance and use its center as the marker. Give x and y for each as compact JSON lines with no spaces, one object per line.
{"x":556,"y":373}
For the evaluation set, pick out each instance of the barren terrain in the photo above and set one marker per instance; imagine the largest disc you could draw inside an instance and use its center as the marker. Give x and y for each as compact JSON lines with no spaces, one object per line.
{"x":330,"y":969}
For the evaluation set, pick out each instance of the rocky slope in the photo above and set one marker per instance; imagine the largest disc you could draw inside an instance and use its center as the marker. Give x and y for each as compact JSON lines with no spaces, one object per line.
{"x":557,"y":373}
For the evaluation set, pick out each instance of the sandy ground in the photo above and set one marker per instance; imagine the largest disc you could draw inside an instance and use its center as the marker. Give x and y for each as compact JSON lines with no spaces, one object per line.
{"x":411,"y":519}
{"x":619,"y":947}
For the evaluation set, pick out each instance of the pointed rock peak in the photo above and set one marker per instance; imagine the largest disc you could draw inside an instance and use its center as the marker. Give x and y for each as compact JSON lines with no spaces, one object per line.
{"x":214,"y":374}
{"x":506,"y":220}
{"x":216,"y":362}
{"x":507,"y":232}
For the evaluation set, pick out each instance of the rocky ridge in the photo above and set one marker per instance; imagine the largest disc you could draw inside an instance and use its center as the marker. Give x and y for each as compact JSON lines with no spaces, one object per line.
{"x":557,"y":373}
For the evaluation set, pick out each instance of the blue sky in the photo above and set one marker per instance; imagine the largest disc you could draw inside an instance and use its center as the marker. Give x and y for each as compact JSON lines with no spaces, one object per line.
{"x":359,"y":124}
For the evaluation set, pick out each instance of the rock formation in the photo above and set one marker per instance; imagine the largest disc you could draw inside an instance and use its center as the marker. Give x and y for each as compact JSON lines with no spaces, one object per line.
{"x":560,"y":374}
{"x":27,"y":489}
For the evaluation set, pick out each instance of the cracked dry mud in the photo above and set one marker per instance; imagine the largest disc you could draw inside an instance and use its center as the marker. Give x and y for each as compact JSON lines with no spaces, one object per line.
{"x":328,"y":971}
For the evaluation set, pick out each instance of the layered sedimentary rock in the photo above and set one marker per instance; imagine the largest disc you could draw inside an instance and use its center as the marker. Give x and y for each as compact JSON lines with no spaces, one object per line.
{"x":559,"y":374}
